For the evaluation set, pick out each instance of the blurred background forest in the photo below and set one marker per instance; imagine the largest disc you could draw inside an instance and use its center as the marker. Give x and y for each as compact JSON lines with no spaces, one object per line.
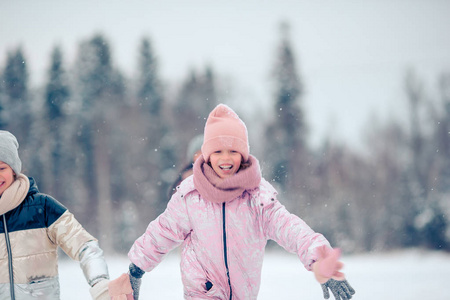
{"x":109,"y":146}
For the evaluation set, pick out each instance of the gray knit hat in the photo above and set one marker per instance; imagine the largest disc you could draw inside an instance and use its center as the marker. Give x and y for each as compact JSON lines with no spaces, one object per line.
{"x":8,"y":151}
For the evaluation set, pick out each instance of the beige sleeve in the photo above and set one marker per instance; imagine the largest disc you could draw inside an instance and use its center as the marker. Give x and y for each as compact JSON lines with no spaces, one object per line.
{"x":68,"y":234}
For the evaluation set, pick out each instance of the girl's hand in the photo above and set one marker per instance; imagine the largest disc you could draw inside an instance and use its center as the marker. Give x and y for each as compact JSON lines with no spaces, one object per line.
{"x":328,"y":266}
{"x":99,"y":291}
{"x":341,"y":289}
{"x":326,"y":270}
{"x":120,"y":288}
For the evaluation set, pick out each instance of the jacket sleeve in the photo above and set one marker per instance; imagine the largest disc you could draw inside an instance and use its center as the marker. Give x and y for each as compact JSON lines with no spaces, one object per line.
{"x":93,"y":263}
{"x":289,"y":231}
{"x":64,"y":230}
{"x":75,"y":241}
{"x":162,"y":235}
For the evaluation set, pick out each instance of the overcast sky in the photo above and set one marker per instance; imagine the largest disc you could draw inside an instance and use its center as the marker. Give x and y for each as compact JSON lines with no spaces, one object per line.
{"x":351,"y":55}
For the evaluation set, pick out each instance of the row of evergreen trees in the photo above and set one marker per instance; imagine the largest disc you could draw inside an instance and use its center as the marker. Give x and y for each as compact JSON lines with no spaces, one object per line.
{"x":109,"y":147}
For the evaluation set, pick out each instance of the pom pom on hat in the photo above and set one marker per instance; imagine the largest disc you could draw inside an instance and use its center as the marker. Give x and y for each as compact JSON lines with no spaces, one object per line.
{"x":224,"y":130}
{"x":9,"y":151}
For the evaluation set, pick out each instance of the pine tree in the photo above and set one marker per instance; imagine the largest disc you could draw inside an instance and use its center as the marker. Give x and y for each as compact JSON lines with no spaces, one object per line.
{"x":57,"y":89}
{"x":286,"y":148}
{"x":3,"y":123}
{"x":158,"y":148}
{"x":57,"y":95}
{"x":441,"y":224}
{"x":196,"y":99}
{"x":209,"y":90}
{"x":100,"y":97}
{"x":428,"y":222}
{"x":149,"y":85}
{"x":18,"y":115}
{"x":416,"y":99}
{"x":187,"y":118}
{"x":443,"y":132}
{"x":16,"y":76}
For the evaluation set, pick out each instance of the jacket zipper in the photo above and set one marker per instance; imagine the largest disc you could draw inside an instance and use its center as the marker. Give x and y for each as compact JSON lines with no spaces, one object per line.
{"x":225,"y":250}
{"x":10,"y":265}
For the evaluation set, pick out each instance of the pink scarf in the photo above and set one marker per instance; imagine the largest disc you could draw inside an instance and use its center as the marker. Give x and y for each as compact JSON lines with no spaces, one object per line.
{"x":14,"y":194}
{"x":218,"y":190}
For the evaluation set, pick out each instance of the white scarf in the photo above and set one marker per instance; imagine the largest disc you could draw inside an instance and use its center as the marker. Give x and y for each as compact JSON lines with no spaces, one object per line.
{"x":14,"y":194}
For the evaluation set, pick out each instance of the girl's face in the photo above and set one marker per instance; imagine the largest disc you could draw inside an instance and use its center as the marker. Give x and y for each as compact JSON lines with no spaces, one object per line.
{"x":225,"y":162}
{"x":6,"y":176}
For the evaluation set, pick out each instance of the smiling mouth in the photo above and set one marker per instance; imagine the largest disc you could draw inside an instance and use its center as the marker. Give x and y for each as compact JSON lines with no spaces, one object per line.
{"x":226,"y":167}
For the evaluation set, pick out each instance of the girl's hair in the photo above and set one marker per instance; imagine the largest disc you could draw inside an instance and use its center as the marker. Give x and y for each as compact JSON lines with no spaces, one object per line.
{"x":244,"y":165}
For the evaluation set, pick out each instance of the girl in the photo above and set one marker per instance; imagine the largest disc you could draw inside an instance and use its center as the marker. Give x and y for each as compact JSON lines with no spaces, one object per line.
{"x":32,"y":226}
{"x":223,"y":216}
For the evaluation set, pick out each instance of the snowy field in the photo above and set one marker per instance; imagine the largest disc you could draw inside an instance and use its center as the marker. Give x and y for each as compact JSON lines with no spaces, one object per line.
{"x":403,"y":275}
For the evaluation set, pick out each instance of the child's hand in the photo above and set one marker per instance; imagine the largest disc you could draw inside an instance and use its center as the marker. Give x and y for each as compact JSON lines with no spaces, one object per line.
{"x":328,"y":266}
{"x":326,"y":270}
{"x":120,"y":288}
{"x":341,"y":289}
{"x":100,"y":290}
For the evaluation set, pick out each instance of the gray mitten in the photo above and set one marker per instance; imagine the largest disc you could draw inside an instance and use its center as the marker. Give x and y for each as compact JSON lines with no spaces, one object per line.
{"x":136,"y":274}
{"x":340,"y":289}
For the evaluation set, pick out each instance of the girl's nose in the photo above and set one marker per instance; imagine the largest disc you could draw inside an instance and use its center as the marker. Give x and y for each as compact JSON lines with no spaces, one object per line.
{"x":226,"y":155}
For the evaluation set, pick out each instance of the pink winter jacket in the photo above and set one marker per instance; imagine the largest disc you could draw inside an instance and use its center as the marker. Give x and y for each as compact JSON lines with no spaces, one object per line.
{"x":223,"y":243}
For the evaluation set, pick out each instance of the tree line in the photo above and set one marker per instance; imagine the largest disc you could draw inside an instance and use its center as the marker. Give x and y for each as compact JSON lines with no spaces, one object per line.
{"x":109,"y":146}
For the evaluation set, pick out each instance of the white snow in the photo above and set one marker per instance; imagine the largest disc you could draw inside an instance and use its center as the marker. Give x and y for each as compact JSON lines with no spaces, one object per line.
{"x":400,"y":275}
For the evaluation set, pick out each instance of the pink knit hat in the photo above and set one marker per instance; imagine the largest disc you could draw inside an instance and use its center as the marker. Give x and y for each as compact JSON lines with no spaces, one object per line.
{"x":224,"y":130}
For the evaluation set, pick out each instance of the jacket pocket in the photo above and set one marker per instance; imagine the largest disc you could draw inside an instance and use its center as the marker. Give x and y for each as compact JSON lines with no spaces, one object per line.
{"x":45,"y":288}
{"x":196,"y":280}
{"x":208,"y":285}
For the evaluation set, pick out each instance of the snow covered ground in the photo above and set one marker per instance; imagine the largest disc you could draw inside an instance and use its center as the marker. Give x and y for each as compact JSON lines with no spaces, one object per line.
{"x":402,"y":275}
